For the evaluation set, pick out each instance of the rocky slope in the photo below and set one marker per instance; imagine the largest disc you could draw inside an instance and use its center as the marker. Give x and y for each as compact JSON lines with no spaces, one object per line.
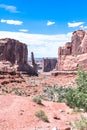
{"x":18,"y":108}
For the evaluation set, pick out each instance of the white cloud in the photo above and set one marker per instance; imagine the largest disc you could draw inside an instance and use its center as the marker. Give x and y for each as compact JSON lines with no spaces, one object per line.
{"x":14,"y":22}
{"x":75,"y":24}
{"x":50,"y":23}
{"x":41,"y":45}
{"x":83,"y":27}
{"x":9,"y":8}
{"x":23,"y":30}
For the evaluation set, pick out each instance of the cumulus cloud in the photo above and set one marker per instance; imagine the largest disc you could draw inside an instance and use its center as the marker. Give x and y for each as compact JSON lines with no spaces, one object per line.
{"x":83,"y":27}
{"x":75,"y":24}
{"x":9,"y":8}
{"x":50,"y":23}
{"x":14,"y":22}
{"x":41,"y":45}
{"x":23,"y":30}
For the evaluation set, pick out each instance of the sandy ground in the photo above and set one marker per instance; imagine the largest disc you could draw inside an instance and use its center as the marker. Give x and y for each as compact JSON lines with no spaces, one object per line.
{"x":18,"y":112}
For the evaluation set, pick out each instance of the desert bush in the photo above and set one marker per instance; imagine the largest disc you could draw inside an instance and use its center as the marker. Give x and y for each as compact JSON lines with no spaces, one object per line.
{"x":74,"y":97}
{"x":41,"y":114}
{"x":37,"y":99}
{"x":18,"y":92}
{"x":54,"y":93}
{"x":78,"y":97}
{"x":80,"y":124}
{"x":82,"y":80}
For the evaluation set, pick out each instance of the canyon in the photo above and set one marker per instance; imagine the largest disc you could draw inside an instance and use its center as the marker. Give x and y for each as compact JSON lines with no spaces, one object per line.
{"x":20,"y":82}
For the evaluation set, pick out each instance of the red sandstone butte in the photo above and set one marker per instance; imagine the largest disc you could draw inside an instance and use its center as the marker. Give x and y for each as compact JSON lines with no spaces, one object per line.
{"x":48,"y":64}
{"x":74,"y":53}
{"x":14,"y":56}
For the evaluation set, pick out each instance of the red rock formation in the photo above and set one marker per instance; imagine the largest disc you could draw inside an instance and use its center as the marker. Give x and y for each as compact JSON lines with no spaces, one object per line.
{"x":49,"y":64}
{"x":34,"y":65}
{"x":13,"y":56}
{"x":74,"y":53}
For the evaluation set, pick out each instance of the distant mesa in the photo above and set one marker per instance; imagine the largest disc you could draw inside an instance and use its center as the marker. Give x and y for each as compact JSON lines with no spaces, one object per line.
{"x":49,"y":64}
{"x":13,"y":56}
{"x":74,"y":53}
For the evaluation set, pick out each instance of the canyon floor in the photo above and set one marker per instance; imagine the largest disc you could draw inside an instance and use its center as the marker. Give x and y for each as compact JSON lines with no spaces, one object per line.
{"x":17,"y":108}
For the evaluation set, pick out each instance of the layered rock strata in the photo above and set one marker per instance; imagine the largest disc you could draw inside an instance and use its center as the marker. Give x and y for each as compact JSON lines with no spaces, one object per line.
{"x":49,"y":64}
{"x":74,"y":53}
{"x":14,"y":56}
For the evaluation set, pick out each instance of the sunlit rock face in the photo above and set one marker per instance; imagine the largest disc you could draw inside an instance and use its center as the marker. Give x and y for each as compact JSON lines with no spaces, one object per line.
{"x":49,"y":64}
{"x":13,"y":56}
{"x":74,"y":53}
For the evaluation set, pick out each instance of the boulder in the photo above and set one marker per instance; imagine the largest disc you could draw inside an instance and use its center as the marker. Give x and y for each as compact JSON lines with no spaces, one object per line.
{"x":74,"y":53}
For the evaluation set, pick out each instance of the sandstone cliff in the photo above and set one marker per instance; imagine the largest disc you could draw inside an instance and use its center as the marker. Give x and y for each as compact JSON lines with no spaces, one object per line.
{"x":14,"y":56}
{"x":74,"y":53}
{"x":49,"y":64}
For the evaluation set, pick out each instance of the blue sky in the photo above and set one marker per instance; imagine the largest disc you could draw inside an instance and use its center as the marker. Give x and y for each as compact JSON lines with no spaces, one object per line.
{"x":43,"y":25}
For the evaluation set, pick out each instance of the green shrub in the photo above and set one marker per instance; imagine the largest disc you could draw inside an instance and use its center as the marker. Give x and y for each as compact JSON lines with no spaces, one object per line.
{"x":82,"y":80}
{"x":37,"y":99}
{"x":18,"y":92}
{"x":41,"y":114}
{"x":54,"y":93}
{"x":74,"y":97}
{"x":78,"y":97}
{"x":80,"y":124}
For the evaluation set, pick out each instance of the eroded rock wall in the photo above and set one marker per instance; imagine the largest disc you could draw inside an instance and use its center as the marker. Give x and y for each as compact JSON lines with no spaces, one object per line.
{"x":49,"y":64}
{"x":74,"y":53}
{"x":14,"y":55}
